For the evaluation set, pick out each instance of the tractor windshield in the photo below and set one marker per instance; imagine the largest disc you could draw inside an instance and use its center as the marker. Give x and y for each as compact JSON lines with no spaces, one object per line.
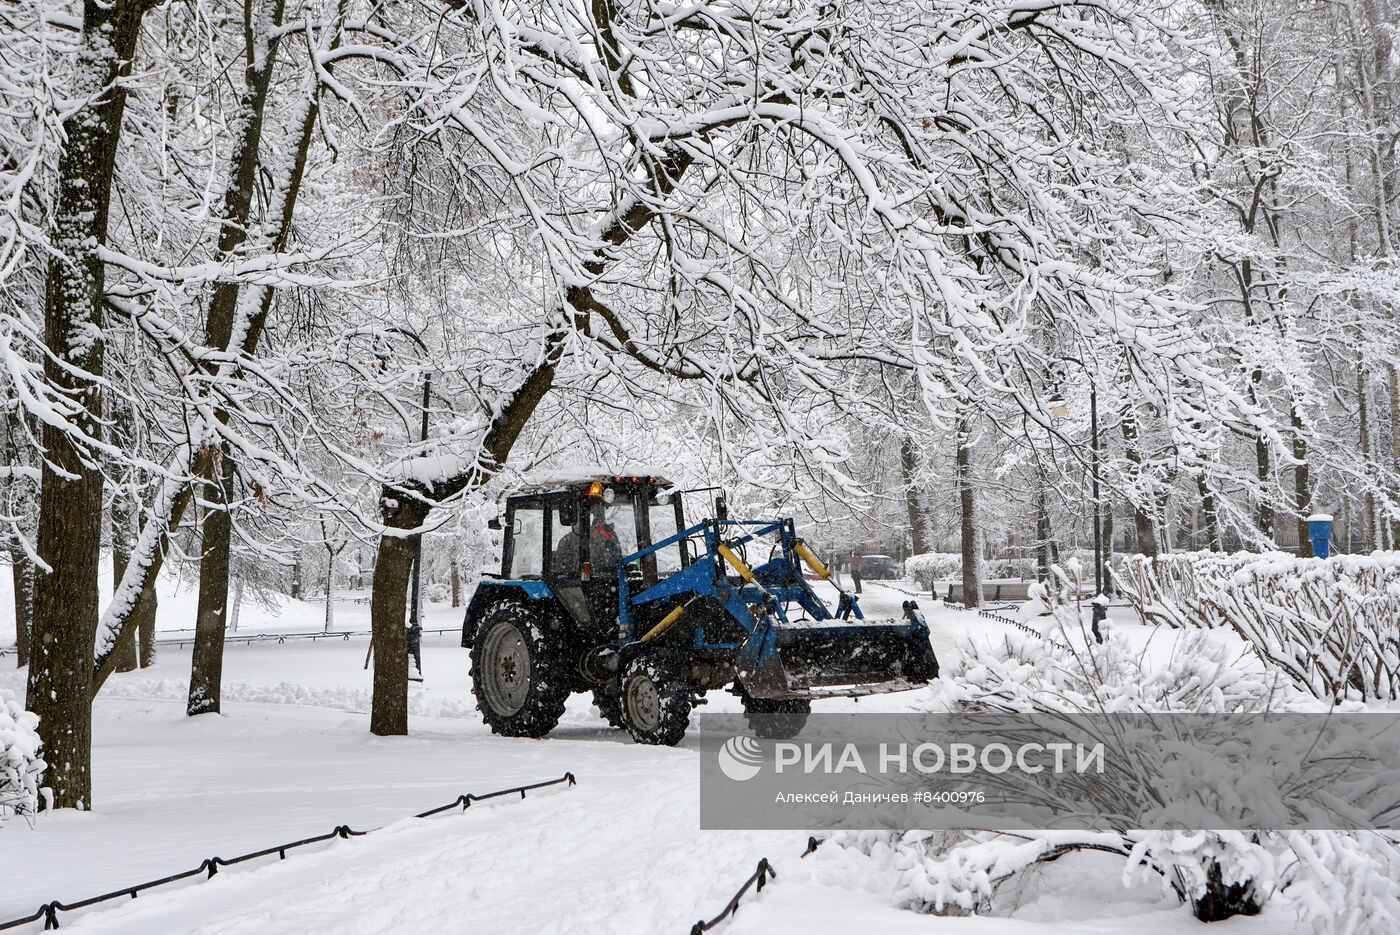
{"x":613,"y":533}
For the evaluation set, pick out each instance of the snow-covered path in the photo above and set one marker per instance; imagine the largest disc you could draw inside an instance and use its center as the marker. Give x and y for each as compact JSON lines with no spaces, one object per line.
{"x":291,"y":757}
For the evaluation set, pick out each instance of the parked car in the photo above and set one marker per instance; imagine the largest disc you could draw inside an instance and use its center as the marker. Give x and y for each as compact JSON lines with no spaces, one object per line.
{"x":879,"y":568}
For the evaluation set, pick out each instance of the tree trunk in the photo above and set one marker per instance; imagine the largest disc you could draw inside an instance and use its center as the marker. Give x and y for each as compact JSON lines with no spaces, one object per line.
{"x":235,"y":604}
{"x":1209,"y":515}
{"x":1146,"y":535}
{"x":60,"y":682}
{"x":1392,"y":380}
{"x":971,"y":557}
{"x":388,"y":610}
{"x":455,"y":577}
{"x":145,"y":616}
{"x":1364,"y":428}
{"x":22,"y":578}
{"x":296,"y":580}
{"x":330,"y":591}
{"x":1302,"y":490}
{"x":918,"y":530}
{"x":211,"y":613}
{"x":122,"y":520}
{"x":1108,"y":586}
{"x":1042,"y":529}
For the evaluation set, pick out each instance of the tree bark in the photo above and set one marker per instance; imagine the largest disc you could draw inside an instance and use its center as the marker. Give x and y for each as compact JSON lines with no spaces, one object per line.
{"x":971,"y":557}
{"x":455,"y":577}
{"x":1302,"y":489}
{"x":211,"y":613}
{"x":388,"y":610}
{"x":1392,"y":381}
{"x":1145,"y":534}
{"x":145,"y":615}
{"x":70,"y":499}
{"x":22,"y":578}
{"x":330,"y":590}
{"x":1209,"y":515}
{"x":1364,"y":428}
{"x":1042,"y":529}
{"x":908,"y":465}
{"x":122,"y":521}
{"x":235,"y":604}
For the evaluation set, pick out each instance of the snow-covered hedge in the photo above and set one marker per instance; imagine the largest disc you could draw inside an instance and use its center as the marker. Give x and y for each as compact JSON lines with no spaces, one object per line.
{"x":933,"y":566}
{"x":20,"y":765}
{"x":1328,"y":624}
{"x":1335,"y":882}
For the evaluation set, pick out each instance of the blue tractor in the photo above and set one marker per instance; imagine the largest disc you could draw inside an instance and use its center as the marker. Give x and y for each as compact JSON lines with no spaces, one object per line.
{"x":604,"y":588}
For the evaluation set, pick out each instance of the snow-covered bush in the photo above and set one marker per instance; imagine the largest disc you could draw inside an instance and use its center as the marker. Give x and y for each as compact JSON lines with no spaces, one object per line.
{"x":1020,"y":569}
{"x":20,"y":765}
{"x":1064,"y":670}
{"x":931,"y":567}
{"x":1328,"y":624}
{"x":1169,"y":589}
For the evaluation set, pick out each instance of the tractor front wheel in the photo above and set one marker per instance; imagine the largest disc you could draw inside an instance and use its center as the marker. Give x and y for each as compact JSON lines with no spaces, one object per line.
{"x":609,"y":706}
{"x":656,"y":699}
{"x":520,"y":678}
{"x":775,"y":720}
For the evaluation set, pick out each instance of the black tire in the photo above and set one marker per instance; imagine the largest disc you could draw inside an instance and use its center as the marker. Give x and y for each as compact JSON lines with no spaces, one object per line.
{"x":774,"y":720}
{"x":520,"y":676}
{"x":608,"y":701}
{"x":656,"y":698}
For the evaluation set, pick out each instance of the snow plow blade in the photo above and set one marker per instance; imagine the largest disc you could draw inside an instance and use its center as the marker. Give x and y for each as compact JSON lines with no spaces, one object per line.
{"x":837,"y":658}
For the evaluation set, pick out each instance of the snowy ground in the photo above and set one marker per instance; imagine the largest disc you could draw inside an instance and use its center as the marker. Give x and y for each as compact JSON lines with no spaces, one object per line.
{"x":619,"y":853}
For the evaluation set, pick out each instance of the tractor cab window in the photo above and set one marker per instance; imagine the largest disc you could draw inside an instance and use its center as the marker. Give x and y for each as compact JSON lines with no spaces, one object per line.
{"x":569,"y":526}
{"x":612,"y":533}
{"x":661,"y":518}
{"x":526,"y":542}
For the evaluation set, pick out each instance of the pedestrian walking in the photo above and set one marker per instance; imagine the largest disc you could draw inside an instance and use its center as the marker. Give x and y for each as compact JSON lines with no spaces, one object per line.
{"x":855,"y":570}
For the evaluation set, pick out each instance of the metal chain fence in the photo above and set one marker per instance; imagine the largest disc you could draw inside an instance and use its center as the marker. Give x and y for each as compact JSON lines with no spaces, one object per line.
{"x":756,"y":881}
{"x":49,"y":911}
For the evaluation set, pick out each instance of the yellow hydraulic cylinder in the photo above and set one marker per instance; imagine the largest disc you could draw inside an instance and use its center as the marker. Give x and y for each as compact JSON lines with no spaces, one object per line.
{"x":744,"y":570}
{"x":810,"y":557}
{"x":664,"y":624}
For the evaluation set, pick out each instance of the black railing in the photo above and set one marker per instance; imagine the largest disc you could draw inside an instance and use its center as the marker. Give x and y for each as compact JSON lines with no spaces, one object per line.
{"x":250,"y":638}
{"x":756,"y":881}
{"x":49,"y":911}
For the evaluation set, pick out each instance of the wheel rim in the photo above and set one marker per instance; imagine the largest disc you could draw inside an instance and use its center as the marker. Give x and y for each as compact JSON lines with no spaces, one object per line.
{"x":506,"y":681}
{"x":643,"y":703}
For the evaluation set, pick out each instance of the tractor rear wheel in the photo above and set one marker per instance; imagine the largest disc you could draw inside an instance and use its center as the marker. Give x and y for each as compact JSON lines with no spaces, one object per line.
{"x":519,"y":677}
{"x":656,"y":698}
{"x":774,"y":719}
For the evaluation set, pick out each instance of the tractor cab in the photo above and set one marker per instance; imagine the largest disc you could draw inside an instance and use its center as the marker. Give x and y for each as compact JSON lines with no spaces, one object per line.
{"x":574,"y":534}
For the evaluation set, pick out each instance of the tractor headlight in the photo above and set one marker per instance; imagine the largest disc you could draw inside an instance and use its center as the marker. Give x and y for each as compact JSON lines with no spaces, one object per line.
{"x":609,"y":495}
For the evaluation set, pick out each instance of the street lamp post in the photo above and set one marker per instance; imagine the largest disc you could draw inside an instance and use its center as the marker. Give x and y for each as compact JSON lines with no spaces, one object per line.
{"x":1099,"y":612}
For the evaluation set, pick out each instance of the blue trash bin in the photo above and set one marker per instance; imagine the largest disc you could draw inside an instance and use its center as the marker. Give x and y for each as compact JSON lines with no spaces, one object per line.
{"x":1320,"y":532}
